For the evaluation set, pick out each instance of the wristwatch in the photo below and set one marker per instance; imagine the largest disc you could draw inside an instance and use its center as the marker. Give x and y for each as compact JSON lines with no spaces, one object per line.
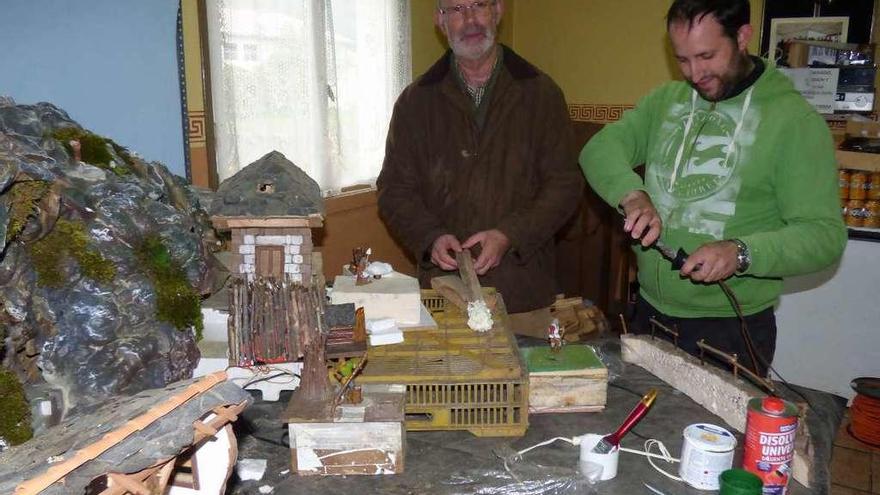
{"x":743,"y":257}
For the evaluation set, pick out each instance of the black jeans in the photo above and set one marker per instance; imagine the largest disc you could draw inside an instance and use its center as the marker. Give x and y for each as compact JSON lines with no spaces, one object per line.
{"x":723,"y":334}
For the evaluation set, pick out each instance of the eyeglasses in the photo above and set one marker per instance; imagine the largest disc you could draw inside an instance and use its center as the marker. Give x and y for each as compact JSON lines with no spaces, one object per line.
{"x":476,"y":8}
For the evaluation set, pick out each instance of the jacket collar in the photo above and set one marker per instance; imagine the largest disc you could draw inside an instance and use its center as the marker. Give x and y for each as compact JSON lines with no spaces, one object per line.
{"x":517,"y":66}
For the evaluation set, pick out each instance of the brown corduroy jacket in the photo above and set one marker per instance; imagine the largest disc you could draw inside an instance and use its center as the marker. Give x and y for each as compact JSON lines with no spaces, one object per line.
{"x":519,"y":174}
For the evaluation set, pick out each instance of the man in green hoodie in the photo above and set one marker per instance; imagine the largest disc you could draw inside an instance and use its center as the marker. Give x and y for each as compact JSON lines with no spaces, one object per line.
{"x":739,"y":172}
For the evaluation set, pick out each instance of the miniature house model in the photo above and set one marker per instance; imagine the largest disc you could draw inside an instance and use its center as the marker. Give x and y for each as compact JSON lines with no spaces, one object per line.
{"x":271,"y":207}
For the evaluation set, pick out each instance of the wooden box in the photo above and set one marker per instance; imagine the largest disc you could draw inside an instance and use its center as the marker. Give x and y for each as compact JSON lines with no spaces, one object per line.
{"x":572,"y":380}
{"x":367,"y":438}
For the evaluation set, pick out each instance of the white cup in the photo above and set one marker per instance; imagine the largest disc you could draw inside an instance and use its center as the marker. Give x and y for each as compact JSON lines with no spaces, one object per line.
{"x":608,"y":461}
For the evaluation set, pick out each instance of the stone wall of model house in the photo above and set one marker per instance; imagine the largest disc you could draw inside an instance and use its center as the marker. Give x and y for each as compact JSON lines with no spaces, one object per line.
{"x":273,"y":252}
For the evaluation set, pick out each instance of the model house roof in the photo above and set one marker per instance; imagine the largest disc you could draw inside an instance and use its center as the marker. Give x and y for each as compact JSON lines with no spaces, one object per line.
{"x":272,"y":186}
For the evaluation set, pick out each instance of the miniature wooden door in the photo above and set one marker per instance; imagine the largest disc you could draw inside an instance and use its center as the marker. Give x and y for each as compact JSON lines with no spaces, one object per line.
{"x":270,"y":261}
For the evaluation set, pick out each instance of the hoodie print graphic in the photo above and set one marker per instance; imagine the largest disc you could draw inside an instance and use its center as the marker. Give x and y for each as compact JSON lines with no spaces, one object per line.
{"x":708,"y":180}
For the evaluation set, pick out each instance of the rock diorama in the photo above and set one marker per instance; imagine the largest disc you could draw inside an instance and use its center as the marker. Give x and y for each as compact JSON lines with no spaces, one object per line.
{"x":104,"y":259}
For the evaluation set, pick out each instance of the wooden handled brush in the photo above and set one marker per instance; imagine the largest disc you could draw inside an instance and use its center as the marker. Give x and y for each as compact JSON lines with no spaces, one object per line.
{"x":608,"y":442}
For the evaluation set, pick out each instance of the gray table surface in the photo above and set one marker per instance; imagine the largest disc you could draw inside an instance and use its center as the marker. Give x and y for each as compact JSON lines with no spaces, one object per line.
{"x":442,"y":462}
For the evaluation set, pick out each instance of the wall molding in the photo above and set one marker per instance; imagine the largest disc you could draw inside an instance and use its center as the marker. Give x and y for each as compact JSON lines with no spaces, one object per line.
{"x":602,"y":113}
{"x":196,"y":126}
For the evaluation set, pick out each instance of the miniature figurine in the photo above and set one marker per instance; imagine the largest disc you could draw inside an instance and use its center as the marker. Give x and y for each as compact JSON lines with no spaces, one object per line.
{"x":360,"y":259}
{"x":77,"y":150}
{"x":555,"y":334}
{"x":345,"y":372}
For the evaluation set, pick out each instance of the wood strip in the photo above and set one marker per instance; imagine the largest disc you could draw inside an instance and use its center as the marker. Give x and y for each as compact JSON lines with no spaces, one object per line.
{"x":473,"y":292}
{"x":224,"y":223}
{"x":56,"y":472}
{"x":128,"y":483}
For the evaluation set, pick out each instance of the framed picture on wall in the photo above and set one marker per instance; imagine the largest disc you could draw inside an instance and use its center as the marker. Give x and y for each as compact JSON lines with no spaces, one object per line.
{"x":783,"y":29}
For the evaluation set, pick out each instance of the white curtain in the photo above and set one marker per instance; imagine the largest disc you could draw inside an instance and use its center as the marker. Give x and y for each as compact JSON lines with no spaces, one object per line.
{"x":313,"y":79}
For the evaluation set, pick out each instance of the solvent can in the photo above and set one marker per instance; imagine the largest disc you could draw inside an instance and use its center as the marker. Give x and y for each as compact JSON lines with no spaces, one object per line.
{"x":771,"y":425}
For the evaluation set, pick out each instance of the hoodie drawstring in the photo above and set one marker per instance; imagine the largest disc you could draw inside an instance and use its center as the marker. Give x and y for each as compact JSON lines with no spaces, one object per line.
{"x":687,"y":129}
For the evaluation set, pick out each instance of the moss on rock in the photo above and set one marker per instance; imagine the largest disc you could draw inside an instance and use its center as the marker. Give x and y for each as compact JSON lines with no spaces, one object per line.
{"x":25,"y":196}
{"x":93,"y":149}
{"x":177,"y":302}
{"x":15,"y":422}
{"x":68,"y":238}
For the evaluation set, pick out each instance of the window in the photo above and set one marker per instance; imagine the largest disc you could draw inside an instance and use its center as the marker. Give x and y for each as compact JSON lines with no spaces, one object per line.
{"x":313,"y":79}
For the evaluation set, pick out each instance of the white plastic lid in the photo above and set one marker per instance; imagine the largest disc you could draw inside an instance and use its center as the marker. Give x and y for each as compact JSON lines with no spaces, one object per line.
{"x":710,"y":438}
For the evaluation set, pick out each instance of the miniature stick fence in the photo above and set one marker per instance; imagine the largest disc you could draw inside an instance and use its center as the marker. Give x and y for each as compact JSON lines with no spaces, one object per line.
{"x":266,"y":318}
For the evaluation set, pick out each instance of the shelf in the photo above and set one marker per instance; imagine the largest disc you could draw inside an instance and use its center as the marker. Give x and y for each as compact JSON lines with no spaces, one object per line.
{"x":863,"y":234}
{"x":869,"y":162}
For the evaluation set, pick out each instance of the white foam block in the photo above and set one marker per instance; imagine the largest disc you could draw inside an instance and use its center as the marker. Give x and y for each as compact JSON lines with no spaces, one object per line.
{"x":395,"y":296}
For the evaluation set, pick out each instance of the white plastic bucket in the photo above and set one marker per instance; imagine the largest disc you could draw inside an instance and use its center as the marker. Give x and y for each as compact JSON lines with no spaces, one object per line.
{"x":608,"y":461}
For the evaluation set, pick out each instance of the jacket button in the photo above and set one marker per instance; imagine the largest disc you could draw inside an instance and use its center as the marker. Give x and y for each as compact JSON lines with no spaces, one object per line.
{"x":467,"y":154}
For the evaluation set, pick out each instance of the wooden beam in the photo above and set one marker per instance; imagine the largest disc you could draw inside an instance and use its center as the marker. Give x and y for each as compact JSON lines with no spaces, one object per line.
{"x":311,"y":221}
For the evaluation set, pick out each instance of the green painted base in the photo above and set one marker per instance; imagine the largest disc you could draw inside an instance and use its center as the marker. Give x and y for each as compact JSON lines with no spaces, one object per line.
{"x":571,"y":357}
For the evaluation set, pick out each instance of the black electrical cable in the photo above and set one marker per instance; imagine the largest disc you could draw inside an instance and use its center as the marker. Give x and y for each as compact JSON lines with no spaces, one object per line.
{"x":678,"y":258}
{"x":747,"y":336}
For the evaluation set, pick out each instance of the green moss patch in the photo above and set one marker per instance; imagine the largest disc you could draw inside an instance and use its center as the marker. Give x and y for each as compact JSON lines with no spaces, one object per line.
{"x":25,"y":196}
{"x":177,"y":302}
{"x":15,"y":422}
{"x":68,"y":239}
{"x":93,"y":148}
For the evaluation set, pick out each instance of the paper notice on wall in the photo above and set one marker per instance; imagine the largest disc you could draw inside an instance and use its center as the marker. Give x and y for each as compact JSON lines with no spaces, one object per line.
{"x":818,"y":86}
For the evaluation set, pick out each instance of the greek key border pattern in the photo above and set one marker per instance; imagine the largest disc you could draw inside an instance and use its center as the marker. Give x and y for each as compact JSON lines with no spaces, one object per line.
{"x":196,"y":127}
{"x":596,"y":112}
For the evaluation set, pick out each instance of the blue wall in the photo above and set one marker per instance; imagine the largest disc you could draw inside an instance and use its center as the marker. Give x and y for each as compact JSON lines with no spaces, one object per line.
{"x":111,"y":64}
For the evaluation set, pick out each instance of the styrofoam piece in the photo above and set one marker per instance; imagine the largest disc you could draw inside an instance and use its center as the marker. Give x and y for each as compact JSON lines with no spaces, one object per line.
{"x":386,"y":338}
{"x":213,"y":460}
{"x":396,"y":296}
{"x":250,"y":469}
{"x":208,"y":365}
{"x":426,"y":321}
{"x":215,"y":324}
{"x":271,"y":240}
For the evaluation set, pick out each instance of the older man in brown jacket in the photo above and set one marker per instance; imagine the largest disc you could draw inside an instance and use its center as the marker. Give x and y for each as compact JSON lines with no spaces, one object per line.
{"x":480,"y":155}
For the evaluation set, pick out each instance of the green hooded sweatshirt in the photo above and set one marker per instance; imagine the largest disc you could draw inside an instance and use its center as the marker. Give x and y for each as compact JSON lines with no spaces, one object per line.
{"x":775,"y":188}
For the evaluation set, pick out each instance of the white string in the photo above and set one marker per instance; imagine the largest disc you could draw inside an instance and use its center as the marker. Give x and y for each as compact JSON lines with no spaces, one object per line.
{"x":572,"y":441}
{"x":687,"y":130}
{"x":664,"y":454}
{"x":649,"y":443}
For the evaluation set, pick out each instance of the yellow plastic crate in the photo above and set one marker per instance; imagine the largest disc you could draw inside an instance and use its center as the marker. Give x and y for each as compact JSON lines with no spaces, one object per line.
{"x":457,"y":379}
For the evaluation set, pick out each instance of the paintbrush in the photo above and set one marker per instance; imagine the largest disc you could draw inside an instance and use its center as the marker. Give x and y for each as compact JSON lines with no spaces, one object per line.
{"x":608,"y":442}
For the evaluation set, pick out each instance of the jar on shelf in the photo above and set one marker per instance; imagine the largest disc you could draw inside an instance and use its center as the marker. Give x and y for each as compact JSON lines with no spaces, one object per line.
{"x":874,"y":186}
{"x":872,"y":214}
{"x":855,"y":213}
{"x":857,"y":181}
{"x":843,"y":178}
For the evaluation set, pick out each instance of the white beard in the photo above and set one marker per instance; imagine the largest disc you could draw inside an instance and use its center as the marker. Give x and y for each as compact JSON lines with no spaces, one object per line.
{"x":473,"y":52}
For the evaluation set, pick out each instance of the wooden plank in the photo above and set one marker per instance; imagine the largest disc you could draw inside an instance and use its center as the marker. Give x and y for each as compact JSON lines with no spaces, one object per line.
{"x":472,"y":290}
{"x":224,"y":223}
{"x":452,"y":288}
